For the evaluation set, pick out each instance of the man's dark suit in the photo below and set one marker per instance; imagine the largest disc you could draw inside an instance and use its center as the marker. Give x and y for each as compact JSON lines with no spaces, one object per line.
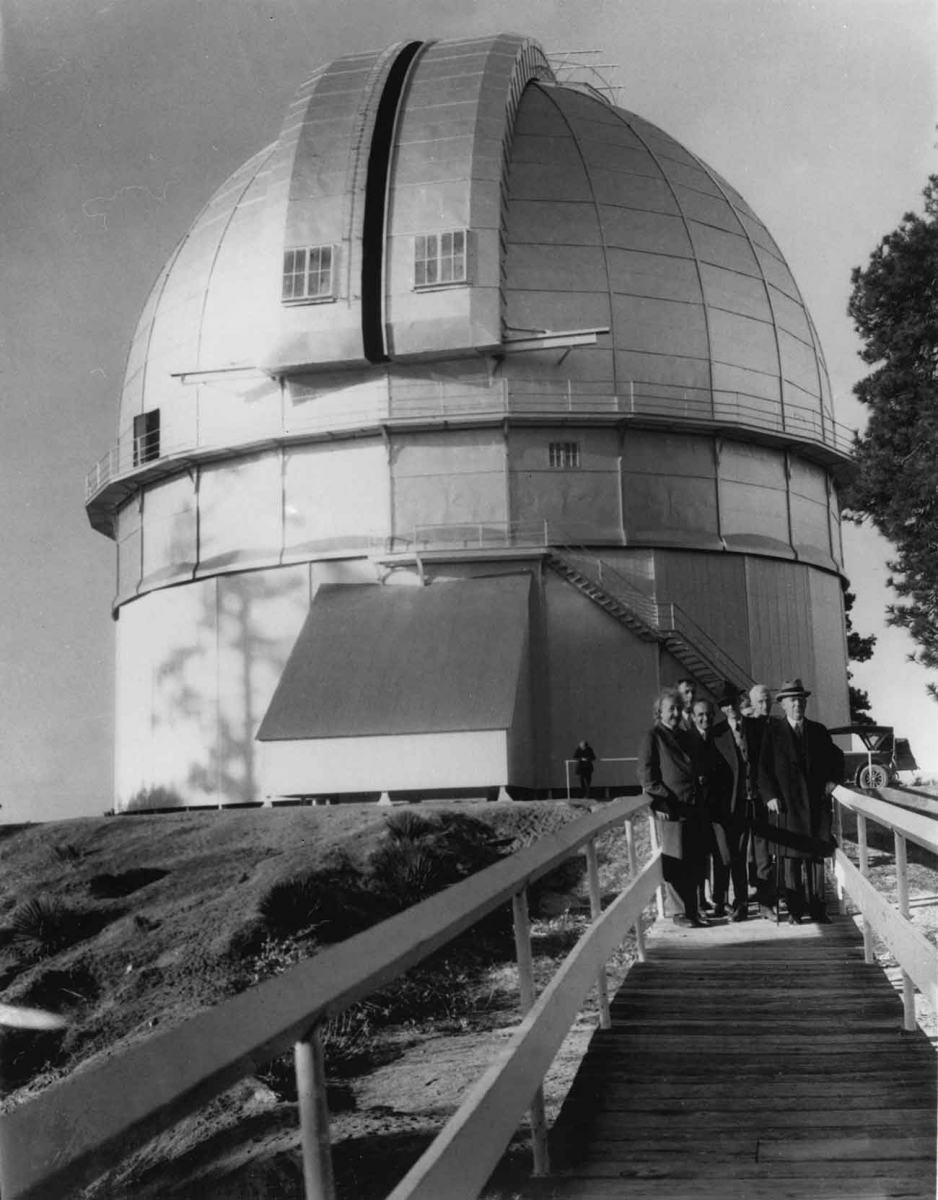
{"x":667,"y":771}
{"x":760,"y":848}
{"x":734,"y":821}
{"x":799,"y":773}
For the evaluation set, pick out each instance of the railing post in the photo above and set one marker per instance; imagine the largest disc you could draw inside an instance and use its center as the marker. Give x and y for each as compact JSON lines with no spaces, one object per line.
{"x":314,"y":1118}
{"x":839,"y":835}
{"x":864,"y":871}
{"x":522,"y":922}
{"x":902,"y":890}
{"x":596,"y":911}
{"x":633,"y":871}
{"x":655,"y":847}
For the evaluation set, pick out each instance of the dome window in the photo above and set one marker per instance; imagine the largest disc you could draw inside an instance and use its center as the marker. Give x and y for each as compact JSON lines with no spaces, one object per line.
{"x":308,"y":274}
{"x":564,"y":455}
{"x":440,"y":258}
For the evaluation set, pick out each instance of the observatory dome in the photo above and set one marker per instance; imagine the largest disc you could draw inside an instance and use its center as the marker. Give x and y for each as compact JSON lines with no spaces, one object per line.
{"x":573,"y":214}
{"x":462,"y":319}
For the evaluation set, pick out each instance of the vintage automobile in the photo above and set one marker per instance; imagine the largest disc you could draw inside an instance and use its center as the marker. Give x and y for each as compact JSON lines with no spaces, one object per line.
{"x":876,"y":755}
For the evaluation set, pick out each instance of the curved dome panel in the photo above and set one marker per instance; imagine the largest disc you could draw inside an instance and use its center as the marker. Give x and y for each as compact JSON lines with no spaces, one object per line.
{"x":610,"y":222}
{"x":218,"y":306}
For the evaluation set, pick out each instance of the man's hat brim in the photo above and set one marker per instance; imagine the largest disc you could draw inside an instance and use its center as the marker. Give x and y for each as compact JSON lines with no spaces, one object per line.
{"x":793,"y":687}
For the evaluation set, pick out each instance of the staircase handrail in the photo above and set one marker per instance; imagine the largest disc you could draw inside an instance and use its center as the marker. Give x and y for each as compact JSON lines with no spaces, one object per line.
{"x":662,"y":617}
{"x":676,"y":620}
{"x":615,"y":583}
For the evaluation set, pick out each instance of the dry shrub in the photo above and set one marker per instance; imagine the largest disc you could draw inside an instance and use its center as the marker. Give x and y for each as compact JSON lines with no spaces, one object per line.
{"x":43,"y":926}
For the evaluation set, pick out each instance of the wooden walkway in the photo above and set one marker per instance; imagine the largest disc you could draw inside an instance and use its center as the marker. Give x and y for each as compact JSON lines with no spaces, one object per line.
{"x":750,"y":1061}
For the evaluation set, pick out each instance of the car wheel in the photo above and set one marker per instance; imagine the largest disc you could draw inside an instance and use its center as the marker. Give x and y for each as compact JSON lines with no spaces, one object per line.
{"x":873,"y":776}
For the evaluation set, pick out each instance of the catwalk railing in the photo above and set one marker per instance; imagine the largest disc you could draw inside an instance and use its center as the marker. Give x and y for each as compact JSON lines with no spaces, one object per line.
{"x":343,"y":410}
{"x":94,"y":1119}
{"x":915,"y":954}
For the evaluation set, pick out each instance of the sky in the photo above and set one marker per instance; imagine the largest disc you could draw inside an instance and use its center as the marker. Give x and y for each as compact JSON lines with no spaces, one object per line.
{"x":118,"y":120}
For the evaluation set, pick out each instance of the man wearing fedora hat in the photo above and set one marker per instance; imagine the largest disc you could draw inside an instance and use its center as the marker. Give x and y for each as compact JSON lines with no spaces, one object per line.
{"x":799,"y":767}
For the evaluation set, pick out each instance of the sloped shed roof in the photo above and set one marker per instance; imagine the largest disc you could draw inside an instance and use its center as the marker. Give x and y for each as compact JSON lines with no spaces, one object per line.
{"x":375,"y":660}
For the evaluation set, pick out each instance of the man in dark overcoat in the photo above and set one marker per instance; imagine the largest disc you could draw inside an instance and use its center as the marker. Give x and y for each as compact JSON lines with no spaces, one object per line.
{"x":735,"y":809}
{"x":799,"y":767}
{"x":761,"y":851}
{"x":667,"y":771}
{"x":714,"y":787}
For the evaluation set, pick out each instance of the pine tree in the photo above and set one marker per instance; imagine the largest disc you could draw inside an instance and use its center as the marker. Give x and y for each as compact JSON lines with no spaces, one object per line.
{"x":859,"y":649}
{"x":894,"y":305}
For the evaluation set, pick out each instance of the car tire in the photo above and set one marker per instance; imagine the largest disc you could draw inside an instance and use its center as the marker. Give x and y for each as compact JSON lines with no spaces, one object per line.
{"x":872,"y":776}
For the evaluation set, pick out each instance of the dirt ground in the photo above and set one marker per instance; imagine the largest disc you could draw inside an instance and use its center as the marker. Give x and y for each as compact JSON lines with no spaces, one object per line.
{"x":169,"y":910}
{"x":168,"y":950}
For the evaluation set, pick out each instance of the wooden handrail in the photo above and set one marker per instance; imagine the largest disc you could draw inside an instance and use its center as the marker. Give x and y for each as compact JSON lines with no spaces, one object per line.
{"x":463,"y":1156}
{"x":79,"y":1127}
{"x":916,"y":956}
{"x":921,"y":830}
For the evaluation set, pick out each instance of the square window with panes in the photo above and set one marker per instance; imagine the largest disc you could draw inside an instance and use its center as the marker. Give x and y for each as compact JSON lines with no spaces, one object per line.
{"x":440,"y":258}
{"x":308,"y":273}
{"x":565,"y":455}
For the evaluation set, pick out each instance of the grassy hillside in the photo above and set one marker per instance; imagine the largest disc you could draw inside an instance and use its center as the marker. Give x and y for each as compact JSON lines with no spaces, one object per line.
{"x":130,"y":925}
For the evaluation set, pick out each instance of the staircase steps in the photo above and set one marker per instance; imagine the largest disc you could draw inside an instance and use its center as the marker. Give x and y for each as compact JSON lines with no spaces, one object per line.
{"x":676,"y":643}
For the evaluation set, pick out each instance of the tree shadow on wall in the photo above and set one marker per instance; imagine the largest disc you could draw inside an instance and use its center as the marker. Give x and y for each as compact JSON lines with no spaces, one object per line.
{"x":233,"y":647}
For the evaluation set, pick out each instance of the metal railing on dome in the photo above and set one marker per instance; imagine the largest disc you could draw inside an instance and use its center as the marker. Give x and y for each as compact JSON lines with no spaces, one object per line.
{"x":402,"y":401}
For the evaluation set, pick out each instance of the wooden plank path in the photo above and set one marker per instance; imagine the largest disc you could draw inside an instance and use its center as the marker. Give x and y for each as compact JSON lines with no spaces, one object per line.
{"x":755,"y":1062}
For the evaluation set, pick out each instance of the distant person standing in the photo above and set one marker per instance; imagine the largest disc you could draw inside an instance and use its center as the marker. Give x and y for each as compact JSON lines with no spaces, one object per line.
{"x":799,"y":768}
{"x":667,"y":771}
{"x":584,"y":758}
{"x":687,"y":691}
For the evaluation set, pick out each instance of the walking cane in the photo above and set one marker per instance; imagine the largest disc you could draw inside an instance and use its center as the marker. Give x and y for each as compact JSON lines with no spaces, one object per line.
{"x":777,"y":865}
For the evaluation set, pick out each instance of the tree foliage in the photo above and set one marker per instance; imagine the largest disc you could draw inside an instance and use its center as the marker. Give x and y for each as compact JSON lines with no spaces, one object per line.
{"x":859,"y":649}
{"x":894,"y":306}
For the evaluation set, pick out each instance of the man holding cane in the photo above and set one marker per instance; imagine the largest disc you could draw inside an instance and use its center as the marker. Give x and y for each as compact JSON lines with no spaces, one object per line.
{"x":799,"y":768}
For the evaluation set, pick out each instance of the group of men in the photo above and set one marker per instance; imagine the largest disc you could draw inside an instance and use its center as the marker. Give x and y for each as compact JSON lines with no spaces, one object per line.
{"x":742,"y":798}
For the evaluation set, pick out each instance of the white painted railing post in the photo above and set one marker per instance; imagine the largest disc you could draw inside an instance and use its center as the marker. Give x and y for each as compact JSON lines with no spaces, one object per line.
{"x":633,"y":871}
{"x":902,"y":890}
{"x":596,"y":911}
{"x":522,"y":922}
{"x":864,"y":871}
{"x":839,"y":835}
{"x":655,"y":847}
{"x":314,"y":1118}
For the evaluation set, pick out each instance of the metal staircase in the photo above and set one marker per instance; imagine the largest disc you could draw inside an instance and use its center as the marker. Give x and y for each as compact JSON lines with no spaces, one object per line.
{"x":664,"y":623}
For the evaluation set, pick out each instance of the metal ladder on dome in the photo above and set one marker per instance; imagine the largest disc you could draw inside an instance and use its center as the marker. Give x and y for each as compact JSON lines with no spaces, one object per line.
{"x":665,"y":623}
